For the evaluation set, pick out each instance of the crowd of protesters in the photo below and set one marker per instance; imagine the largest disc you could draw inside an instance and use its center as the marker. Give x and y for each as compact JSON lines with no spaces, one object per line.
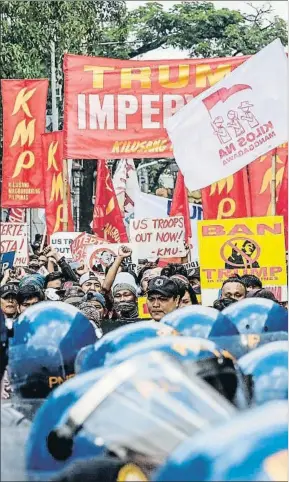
{"x":114,"y":294}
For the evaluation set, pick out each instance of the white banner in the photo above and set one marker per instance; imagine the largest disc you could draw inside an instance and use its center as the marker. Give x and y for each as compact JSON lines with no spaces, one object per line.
{"x":14,"y":237}
{"x":151,"y":206}
{"x":234,"y":122}
{"x":61,"y":242}
{"x":158,"y":237}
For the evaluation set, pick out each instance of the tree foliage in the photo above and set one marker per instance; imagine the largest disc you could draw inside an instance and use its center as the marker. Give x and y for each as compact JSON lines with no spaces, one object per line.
{"x":107,"y":28}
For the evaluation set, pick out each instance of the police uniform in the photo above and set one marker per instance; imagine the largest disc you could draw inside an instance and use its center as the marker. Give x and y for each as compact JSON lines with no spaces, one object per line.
{"x":14,"y":426}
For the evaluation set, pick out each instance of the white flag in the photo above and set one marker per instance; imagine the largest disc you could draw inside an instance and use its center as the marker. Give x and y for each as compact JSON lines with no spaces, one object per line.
{"x":125,"y":184}
{"x":234,"y":122}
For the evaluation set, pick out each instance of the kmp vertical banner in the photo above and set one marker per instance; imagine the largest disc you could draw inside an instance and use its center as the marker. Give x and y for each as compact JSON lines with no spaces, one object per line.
{"x":52,"y":145}
{"x":24,"y":112}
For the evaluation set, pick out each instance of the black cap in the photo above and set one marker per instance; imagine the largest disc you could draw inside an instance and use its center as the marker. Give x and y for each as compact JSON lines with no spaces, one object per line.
{"x":164,"y":286}
{"x":9,"y":289}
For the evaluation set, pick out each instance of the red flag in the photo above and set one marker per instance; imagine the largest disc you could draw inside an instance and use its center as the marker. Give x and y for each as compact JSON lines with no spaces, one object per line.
{"x":260,"y":176}
{"x":107,"y":220}
{"x":282,"y":202}
{"x":52,"y":145}
{"x":24,"y":112}
{"x":180,"y":205}
{"x":228,"y":198}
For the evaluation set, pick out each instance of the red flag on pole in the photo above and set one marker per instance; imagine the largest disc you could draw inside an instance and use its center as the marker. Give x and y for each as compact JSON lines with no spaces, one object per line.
{"x":52,"y":149}
{"x":107,"y":219}
{"x":180,"y":204}
{"x":24,"y":111}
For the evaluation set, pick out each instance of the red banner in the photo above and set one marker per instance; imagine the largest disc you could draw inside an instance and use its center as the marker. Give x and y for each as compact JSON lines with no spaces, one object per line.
{"x":118,"y":108}
{"x":24,"y":113}
{"x":228,"y":198}
{"x":260,"y":175}
{"x":107,"y":219}
{"x":52,"y":145}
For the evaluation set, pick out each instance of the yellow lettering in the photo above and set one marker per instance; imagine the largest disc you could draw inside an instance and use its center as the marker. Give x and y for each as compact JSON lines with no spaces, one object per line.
{"x":204,"y":73}
{"x":183,"y":80}
{"x":230,"y":206}
{"x":51,"y":153}
{"x":59,"y":218}
{"x":57,"y":187}
{"x":143,"y":76}
{"x":21,"y":162}
{"x":21,"y":101}
{"x":24,"y":133}
{"x":97,"y":74}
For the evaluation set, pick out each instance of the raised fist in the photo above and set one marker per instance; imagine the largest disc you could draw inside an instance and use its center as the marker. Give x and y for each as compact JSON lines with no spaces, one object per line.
{"x":124,"y":252}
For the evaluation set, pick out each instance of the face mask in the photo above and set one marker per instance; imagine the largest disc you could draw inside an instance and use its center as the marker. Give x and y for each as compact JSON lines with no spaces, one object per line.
{"x":126,"y":309}
{"x":51,"y":294}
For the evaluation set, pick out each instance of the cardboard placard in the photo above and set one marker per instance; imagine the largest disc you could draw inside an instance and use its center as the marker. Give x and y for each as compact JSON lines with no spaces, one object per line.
{"x":103,"y":255}
{"x":6,"y":261}
{"x":61,"y":242}
{"x":242,"y":246}
{"x":159,"y":237}
{"x":14,"y":237}
{"x":80,"y":243}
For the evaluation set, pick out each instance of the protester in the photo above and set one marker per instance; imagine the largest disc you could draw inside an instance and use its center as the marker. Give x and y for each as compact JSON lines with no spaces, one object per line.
{"x":124,"y":292}
{"x":43,"y":261}
{"x":233,"y":288}
{"x":8,"y":301}
{"x":55,"y":259}
{"x":251,"y":282}
{"x":97,"y":299}
{"x":53,"y":280}
{"x":195,"y":279}
{"x":163,"y":297}
{"x":73,"y":295}
{"x":262,"y":293}
{"x":145,"y":276}
{"x":189,"y":298}
{"x":27,"y":296}
{"x":90,"y":282}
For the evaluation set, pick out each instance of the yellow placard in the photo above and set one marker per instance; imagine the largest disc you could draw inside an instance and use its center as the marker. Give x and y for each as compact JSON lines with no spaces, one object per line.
{"x":143,"y":312}
{"x":242,"y":246}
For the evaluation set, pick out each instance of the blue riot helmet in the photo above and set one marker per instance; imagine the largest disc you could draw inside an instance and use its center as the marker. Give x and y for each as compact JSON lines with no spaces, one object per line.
{"x":200,"y":321}
{"x":140,"y":409}
{"x":47,"y":338}
{"x":40,"y":464}
{"x":268,"y":367}
{"x":252,"y":447}
{"x":257,"y":315}
{"x":217,"y":367}
{"x":95,"y":356}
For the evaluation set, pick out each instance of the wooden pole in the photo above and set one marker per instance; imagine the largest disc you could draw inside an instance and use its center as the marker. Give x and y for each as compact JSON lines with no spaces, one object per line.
{"x":65,"y":195}
{"x":273,"y":184}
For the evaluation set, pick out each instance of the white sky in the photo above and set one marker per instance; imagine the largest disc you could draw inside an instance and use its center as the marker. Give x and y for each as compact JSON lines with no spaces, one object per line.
{"x":280,"y":8}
